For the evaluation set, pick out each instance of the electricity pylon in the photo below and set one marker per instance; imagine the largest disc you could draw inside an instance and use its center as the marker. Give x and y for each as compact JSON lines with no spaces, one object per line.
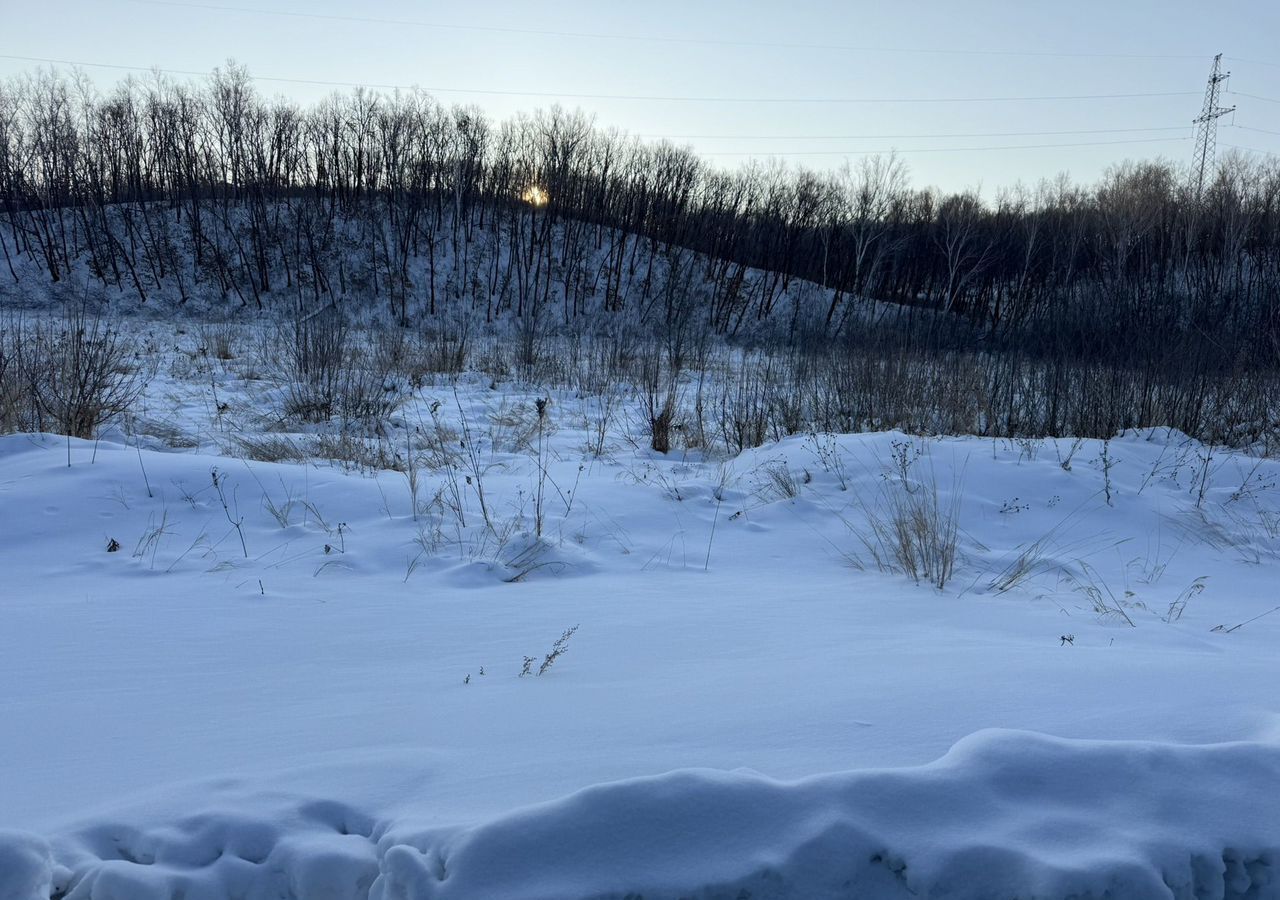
{"x":1207,"y":122}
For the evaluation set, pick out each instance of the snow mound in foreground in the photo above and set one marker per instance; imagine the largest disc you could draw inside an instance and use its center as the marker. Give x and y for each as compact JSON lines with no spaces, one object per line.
{"x":1003,"y":814}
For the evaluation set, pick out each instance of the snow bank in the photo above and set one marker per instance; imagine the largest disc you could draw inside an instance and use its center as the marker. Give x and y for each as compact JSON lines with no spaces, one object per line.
{"x":1003,"y":814}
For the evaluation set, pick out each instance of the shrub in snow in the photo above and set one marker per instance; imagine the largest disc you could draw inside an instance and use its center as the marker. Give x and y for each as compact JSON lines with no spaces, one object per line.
{"x":69,"y":375}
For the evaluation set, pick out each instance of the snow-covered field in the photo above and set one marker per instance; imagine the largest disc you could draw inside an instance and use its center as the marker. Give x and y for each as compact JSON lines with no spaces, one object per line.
{"x":228,"y":678}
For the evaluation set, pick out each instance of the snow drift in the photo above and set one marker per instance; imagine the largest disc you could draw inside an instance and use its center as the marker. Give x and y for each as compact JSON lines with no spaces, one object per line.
{"x":1004,"y":814}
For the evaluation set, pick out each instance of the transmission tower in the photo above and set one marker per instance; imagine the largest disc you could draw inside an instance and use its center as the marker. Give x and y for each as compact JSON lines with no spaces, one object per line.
{"x":1207,"y":123}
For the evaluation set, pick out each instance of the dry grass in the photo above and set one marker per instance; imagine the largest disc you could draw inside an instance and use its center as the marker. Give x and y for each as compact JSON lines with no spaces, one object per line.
{"x":911,"y":530}
{"x":218,"y":340}
{"x":269,"y":448}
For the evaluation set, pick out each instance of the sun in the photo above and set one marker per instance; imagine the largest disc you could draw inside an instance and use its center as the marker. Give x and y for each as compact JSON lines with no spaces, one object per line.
{"x":535,"y":195}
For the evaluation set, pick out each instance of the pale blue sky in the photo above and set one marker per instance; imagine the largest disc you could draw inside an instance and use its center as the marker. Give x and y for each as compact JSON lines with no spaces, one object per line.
{"x":1175,"y":40}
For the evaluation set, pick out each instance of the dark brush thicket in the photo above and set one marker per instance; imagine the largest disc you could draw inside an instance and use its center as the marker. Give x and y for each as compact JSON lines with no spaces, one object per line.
{"x":1060,"y":307}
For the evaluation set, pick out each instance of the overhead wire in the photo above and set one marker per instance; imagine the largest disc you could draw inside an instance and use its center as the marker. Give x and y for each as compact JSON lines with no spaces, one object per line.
{"x":1249,"y":149}
{"x":940,"y":149}
{"x":1236,"y":93}
{"x":1252,"y":62}
{"x":886,"y":137}
{"x":660,"y":39}
{"x":1259,"y":130}
{"x":572,"y":95}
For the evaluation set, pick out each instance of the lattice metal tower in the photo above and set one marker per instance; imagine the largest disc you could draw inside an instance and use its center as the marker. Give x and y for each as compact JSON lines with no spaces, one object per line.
{"x":1207,"y":122}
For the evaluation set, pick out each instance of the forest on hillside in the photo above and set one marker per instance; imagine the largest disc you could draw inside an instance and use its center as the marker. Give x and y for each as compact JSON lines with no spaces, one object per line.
{"x":1140,"y":299}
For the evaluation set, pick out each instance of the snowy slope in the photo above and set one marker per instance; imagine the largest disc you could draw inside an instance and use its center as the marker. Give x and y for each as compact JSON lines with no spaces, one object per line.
{"x":749,"y":707}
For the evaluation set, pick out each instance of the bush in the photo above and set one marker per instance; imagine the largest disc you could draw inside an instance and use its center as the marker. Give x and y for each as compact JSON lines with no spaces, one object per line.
{"x":330,"y":376}
{"x":660,"y":393}
{"x":217,"y":340}
{"x":70,"y":376}
{"x":10,"y":388}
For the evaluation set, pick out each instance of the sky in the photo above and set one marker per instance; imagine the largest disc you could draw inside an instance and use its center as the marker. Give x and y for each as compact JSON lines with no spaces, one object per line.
{"x":737,"y":80}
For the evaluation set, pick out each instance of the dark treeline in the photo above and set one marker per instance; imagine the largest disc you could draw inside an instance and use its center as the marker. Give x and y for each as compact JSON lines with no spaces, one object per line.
{"x":397,"y":203}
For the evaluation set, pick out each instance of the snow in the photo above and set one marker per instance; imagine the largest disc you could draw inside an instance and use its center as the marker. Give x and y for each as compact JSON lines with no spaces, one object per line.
{"x":1001,"y":811}
{"x":749,"y":708}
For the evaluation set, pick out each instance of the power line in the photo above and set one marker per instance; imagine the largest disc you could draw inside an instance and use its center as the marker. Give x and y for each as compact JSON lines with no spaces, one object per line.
{"x":1259,"y":130}
{"x":1252,"y":150}
{"x":660,"y":39}
{"x":1253,"y":62}
{"x":98,"y":65}
{"x":641,"y":97}
{"x":939,"y":149}
{"x":1252,"y":96}
{"x":885,"y":137}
